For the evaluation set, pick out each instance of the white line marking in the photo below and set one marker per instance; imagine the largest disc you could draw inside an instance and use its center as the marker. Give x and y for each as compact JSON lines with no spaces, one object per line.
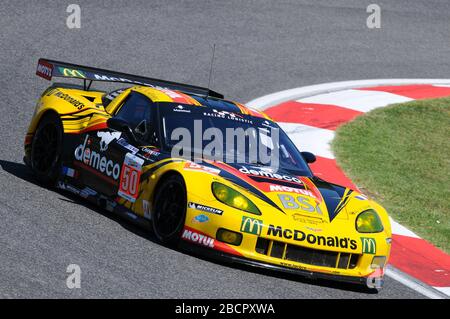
{"x":442,"y":85}
{"x":423,"y":289}
{"x":309,"y":138}
{"x":359,"y":100}
{"x":266,"y":101}
{"x":398,"y":229}
{"x":445,"y":290}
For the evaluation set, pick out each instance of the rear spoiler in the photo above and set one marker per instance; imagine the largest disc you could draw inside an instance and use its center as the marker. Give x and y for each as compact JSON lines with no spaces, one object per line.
{"x":50,"y":68}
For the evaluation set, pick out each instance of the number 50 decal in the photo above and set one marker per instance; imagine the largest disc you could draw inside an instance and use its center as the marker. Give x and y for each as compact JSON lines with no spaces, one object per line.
{"x":129,"y":178}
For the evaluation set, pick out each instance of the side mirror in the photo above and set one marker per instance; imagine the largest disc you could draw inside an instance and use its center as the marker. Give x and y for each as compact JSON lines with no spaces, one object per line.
{"x":309,"y":157}
{"x":121,"y":125}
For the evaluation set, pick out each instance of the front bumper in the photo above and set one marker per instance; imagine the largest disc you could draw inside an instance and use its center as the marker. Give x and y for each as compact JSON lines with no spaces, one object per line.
{"x":232,"y":259}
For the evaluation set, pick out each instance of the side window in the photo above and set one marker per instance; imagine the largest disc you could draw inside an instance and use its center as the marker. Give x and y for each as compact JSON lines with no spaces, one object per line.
{"x":137,"y":110}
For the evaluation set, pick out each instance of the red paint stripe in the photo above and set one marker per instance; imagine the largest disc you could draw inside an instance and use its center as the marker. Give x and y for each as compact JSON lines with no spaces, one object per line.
{"x":420,"y":259}
{"x":418,"y":92}
{"x":95,"y":172}
{"x":327,"y":169}
{"x":317,"y":115}
{"x":96,"y":127}
{"x":181,"y":98}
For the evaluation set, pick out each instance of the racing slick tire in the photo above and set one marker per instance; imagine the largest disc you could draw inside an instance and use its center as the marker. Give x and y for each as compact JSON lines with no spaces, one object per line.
{"x":169,"y":209}
{"x":46,"y":149}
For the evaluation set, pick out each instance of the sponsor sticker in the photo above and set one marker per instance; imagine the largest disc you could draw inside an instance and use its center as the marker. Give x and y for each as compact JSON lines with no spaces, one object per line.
{"x":369,"y":245}
{"x":72,"y":189}
{"x":251,"y":225}
{"x":316,"y":230}
{"x":197,"y":167}
{"x":304,"y":220}
{"x":193,"y":236}
{"x":299,"y":203}
{"x":146,"y":209}
{"x":73,"y":73}
{"x":66,"y":97}
{"x":265,"y":123}
{"x":106,"y":138}
{"x":228,"y":116}
{"x":67,"y":171}
{"x":96,"y":160}
{"x":301,"y":236}
{"x":288,"y":189}
{"x":149,"y":153}
{"x":269,"y":175}
{"x":44,"y":70}
{"x":122,"y":142}
{"x":181,"y":108}
{"x":112,"y":95}
{"x":201,"y":218}
{"x":129,"y":179}
{"x":86,"y":192}
{"x":205,"y":208}
{"x":361,"y":197}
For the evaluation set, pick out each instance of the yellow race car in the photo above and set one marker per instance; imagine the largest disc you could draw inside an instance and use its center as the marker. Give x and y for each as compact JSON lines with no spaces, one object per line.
{"x":116,"y":149}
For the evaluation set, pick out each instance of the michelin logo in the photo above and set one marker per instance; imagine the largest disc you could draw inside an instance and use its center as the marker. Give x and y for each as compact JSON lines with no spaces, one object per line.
{"x":204,"y":208}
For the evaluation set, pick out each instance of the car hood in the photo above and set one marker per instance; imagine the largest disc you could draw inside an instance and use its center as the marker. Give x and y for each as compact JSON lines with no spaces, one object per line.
{"x":299,"y":196}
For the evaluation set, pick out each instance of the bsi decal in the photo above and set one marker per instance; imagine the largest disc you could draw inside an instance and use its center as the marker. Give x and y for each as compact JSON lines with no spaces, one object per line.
{"x":300,"y":202}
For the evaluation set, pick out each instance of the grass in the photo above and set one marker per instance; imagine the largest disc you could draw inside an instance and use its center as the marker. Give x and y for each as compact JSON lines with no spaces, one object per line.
{"x":400,"y":156}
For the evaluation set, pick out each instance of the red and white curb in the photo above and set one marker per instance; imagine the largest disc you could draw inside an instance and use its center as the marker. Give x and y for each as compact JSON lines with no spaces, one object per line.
{"x":310,"y":116}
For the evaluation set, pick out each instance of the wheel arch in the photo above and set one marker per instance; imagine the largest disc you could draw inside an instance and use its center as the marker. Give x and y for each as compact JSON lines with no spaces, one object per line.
{"x":39,"y":116}
{"x":162,"y":178}
{"x":37,"y":119}
{"x":49,"y":175}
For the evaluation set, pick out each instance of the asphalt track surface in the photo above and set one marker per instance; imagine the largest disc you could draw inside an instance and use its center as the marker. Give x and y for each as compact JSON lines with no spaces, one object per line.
{"x":262,"y":47}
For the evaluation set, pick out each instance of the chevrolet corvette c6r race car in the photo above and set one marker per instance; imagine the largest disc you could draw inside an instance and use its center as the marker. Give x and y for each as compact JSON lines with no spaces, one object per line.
{"x":115,"y":150}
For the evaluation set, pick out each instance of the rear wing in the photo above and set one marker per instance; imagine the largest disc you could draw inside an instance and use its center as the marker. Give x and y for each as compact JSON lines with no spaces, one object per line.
{"x":50,"y":68}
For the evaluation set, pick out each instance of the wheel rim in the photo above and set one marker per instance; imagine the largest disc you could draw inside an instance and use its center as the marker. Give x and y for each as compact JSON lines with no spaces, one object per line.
{"x":170,"y":210}
{"x":45,"y":148}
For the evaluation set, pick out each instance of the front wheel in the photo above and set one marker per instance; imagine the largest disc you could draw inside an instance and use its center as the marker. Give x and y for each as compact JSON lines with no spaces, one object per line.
{"x":169,"y":209}
{"x":46,"y":149}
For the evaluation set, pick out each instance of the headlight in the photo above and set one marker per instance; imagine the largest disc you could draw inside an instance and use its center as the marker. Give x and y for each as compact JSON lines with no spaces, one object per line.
{"x":233,"y":198}
{"x":378,"y":262}
{"x":369,"y":222}
{"x":229,"y":237}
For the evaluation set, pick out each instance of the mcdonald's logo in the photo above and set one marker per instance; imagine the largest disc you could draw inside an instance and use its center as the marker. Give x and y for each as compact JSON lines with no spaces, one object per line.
{"x":72,"y":73}
{"x":369,"y":245}
{"x":251,"y":225}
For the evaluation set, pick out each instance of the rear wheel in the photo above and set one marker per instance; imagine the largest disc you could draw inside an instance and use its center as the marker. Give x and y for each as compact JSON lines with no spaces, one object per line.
{"x":46,"y":149}
{"x":169,"y":209}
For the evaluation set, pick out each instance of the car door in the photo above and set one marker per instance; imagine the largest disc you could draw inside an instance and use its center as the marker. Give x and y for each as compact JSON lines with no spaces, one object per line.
{"x":108,"y":157}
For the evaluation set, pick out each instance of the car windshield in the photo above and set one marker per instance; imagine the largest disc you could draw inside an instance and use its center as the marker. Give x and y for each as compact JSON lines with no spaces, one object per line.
{"x":229,"y":137}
